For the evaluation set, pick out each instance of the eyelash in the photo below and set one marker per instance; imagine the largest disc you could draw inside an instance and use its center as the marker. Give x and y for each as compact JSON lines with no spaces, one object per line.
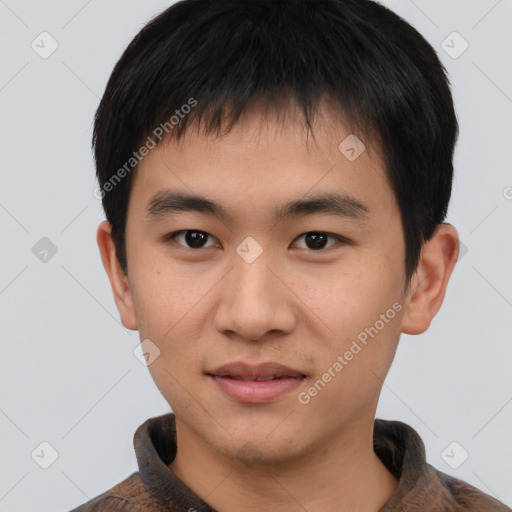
{"x":175,"y":234}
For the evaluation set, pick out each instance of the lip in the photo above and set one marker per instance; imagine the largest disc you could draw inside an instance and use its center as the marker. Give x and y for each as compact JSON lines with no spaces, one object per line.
{"x":245,"y":371}
{"x":238,"y":381}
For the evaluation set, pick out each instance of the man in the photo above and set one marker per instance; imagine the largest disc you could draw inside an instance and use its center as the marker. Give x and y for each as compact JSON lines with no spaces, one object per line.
{"x":275,"y":176}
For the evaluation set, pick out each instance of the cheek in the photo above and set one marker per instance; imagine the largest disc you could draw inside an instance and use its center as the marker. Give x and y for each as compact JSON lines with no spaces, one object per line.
{"x":164,"y":296}
{"x":350,"y":298}
{"x":352,"y":368}
{"x":172,"y":309}
{"x":362,"y":309}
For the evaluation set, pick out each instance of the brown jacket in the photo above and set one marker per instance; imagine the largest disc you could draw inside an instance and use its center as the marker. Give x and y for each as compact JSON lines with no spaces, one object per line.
{"x":422,"y":488}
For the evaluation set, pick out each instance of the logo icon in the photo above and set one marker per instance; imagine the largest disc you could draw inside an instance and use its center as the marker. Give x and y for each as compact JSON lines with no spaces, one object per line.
{"x":44,"y":45}
{"x":44,"y":455}
{"x":249,"y":249}
{"x":454,"y":45}
{"x":44,"y":250}
{"x":352,"y":147}
{"x":454,"y":455}
{"x":146,"y":352}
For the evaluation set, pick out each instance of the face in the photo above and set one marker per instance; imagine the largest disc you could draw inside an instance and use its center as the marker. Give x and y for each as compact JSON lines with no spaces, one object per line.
{"x":317,"y":289}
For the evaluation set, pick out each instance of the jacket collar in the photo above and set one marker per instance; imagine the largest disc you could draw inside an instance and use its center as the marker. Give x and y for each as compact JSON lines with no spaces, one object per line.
{"x":397,"y":444}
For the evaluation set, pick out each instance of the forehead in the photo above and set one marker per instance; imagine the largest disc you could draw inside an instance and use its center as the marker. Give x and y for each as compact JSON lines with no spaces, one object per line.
{"x":265,"y":160}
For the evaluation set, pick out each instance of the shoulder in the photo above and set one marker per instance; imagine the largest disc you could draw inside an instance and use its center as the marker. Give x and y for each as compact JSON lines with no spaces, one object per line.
{"x":108,"y":503}
{"x":467,"y":497}
{"x":123,"y":497}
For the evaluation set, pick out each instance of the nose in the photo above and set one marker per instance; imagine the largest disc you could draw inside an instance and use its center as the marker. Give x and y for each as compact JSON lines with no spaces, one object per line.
{"x":255,"y":301}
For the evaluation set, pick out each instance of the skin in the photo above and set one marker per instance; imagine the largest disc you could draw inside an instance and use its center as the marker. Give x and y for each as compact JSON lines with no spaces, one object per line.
{"x":295,"y":305}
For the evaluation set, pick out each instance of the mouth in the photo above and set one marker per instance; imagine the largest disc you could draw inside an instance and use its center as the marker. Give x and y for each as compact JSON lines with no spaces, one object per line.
{"x":261,"y":372}
{"x":255,"y":384}
{"x":258,"y":379}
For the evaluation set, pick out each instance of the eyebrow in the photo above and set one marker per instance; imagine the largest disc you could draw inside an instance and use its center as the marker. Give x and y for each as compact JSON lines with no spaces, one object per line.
{"x":167,"y":202}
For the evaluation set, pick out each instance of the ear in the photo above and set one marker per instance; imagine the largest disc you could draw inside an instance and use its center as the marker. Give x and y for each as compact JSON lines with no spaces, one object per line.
{"x":118,"y":279}
{"x":428,"y":285}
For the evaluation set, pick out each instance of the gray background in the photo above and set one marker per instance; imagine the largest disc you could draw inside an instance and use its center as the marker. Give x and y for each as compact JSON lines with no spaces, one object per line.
{"x":68,"y":373}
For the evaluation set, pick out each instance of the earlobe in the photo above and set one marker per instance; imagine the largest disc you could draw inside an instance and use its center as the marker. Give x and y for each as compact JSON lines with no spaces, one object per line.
{"x":118,"y":279}
{"x":428,"y":285}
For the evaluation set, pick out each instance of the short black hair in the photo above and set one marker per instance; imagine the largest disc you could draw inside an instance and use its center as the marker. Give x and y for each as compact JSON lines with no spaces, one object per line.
{"x":202,"y":61}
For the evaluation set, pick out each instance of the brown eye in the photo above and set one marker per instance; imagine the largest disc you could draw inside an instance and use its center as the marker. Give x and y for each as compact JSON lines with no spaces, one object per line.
{"x":317,"y":240}
{"x":191,"y":238}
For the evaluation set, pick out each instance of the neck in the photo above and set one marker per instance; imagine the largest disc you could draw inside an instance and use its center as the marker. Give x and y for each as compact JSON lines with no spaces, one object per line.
{"x":341,"y":475}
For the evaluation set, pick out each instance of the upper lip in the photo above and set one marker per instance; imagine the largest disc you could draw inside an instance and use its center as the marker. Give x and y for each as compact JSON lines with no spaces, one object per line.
{"x":250,"y":372}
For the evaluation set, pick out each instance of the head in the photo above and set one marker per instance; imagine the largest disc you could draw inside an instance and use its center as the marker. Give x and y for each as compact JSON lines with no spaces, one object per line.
{"x":275,"y":176}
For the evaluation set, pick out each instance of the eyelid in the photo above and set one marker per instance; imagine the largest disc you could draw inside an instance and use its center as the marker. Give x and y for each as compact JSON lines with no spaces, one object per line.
{"x":339,"y":238}
{"x":173,"y":235}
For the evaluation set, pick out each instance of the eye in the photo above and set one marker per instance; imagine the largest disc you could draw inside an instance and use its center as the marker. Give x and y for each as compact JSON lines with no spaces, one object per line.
{"x":317,"y":240}
{"x":191,"y":238}
{"x":196,"y":239}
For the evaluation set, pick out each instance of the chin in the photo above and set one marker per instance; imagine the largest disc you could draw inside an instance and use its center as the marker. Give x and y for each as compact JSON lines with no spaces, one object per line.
{"x":259,"y":453}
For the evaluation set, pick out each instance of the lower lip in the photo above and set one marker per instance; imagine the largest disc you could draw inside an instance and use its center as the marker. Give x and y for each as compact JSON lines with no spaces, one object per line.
{"x":256,"y":392}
